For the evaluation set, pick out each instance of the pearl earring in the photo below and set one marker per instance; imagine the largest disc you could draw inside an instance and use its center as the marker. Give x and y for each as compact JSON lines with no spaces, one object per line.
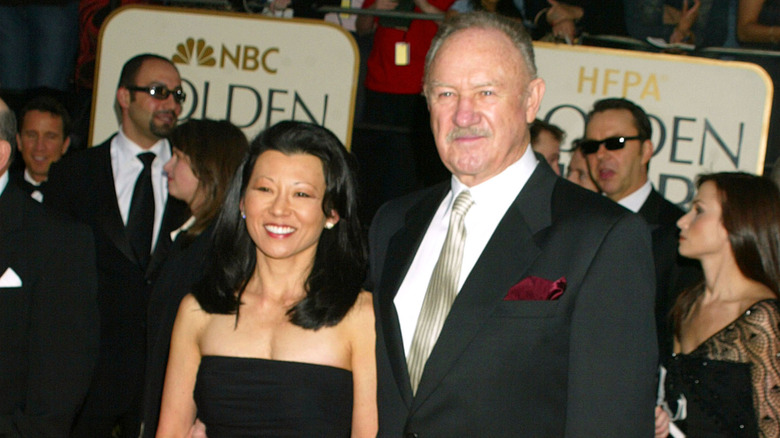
{"x":243,"y":215}
{"x":328,"y":225}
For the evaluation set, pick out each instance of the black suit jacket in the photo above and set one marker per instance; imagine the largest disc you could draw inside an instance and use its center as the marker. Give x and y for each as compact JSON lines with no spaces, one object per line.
{"x":82,"y":184}
{"x":673,"y":272}
{"x":17,"y":177}
{"x":49,"y":326}
{"x":580,"y":366}
{"x":184,"y":266}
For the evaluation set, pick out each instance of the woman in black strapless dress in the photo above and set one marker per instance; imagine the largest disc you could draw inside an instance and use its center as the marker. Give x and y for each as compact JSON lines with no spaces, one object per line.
{"x":724,"y":377}
{"x":277,"y":340}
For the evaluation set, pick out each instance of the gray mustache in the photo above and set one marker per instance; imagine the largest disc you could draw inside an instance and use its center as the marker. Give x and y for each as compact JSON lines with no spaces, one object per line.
{"x":468,"y":132}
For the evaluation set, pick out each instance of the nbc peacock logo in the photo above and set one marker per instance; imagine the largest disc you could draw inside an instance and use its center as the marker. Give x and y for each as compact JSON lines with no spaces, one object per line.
{"x":194,"y":50}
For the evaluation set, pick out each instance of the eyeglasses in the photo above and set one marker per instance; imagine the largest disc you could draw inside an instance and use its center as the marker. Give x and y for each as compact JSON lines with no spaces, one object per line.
{"x":161,"y":92}
{"x":612,"y":144}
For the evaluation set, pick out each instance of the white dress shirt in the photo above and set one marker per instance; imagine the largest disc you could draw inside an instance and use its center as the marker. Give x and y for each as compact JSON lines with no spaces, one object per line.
{"x":30,"y":179}
{"x":636,"y":200}
{"x":127,"y":167}
{"x":492,"y":199}
{"x":36,"y":194}
{"x":3,"y":181}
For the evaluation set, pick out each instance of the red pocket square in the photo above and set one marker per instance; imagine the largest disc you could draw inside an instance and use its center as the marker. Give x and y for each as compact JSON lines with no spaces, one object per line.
{"x":536,"y":289}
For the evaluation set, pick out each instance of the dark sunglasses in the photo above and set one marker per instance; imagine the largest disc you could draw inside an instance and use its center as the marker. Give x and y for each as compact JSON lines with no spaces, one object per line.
{"x":612,"y":144}
{"x":161,"y":92}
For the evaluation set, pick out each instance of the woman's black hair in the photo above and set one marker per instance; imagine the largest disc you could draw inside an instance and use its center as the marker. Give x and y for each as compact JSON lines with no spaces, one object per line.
{"x":339,"y":265}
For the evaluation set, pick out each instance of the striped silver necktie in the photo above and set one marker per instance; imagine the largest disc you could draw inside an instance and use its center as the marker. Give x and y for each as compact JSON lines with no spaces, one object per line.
{"x":442,"y":290}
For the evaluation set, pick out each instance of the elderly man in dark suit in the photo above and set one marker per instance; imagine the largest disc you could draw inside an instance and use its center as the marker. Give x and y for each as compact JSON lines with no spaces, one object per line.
{"x":120,"y":190}
{"x":49,"y":326}
{"x":510,"y":302}
{"x":618,"y":149}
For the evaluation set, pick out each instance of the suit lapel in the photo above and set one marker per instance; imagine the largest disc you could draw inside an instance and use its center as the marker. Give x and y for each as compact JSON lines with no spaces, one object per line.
{"x":651,"y":209}
{"x":402,"y":248}
{"x":107,"y":215}
{"x":507,"y":256}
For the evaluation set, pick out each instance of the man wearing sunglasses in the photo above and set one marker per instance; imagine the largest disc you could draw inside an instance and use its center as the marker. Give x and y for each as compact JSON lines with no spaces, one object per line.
{"x":120,"y":190}
{"x":618,"y":149}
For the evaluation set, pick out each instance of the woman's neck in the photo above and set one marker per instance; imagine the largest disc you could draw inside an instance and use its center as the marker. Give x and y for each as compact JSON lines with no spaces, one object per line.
{"x":280,"y":281}
{"x":724,"y":281}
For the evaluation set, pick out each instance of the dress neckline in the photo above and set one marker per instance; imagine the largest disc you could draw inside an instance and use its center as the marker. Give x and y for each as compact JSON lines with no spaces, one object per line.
{"x":742,"y":315}
{"x":272,"y":361}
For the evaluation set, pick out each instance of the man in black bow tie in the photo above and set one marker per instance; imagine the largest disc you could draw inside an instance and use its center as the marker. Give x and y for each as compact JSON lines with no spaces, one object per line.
{"x":49,"y":326}
{"x":43,"y":138}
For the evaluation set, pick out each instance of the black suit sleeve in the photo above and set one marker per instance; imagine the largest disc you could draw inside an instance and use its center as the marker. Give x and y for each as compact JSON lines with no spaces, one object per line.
{"x":63,"y":333}
{"x":613,"y":343}
{"x":59,"y":192}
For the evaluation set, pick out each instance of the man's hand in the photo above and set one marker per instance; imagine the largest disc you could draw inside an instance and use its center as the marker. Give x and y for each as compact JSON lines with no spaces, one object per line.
{"x":562,"y":11}
{"x":562,"y":18}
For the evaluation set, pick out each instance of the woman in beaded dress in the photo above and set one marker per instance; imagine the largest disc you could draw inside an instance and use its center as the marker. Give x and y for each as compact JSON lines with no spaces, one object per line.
{"x":724,"y":377}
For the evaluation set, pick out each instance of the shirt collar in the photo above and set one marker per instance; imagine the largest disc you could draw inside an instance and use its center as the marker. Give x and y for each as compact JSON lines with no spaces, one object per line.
{"x":184,"y":228}
{"x":636,"y":200}
{"x":3,"y":181}
{"x":501,"y":190}
{"x":129,"y":149}
{"x":29,"y":178}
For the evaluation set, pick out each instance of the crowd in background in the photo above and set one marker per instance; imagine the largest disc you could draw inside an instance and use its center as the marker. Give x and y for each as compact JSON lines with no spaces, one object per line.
{"x":53,"y":44}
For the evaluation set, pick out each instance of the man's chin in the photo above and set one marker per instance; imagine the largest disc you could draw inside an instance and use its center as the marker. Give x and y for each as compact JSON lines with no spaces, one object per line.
{"x":162,"y":131}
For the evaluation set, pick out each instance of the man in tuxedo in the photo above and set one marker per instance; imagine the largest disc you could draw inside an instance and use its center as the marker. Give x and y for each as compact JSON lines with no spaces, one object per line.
{"x":619,"y":168}
{"x":43,"y":138}
{"x":509,"y":301}
{"x":48,"y":309}
{"x":120,"y":190}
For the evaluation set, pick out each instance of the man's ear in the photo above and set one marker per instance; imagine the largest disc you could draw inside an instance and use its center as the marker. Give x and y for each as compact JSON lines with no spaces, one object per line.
{"x":647,"y":151}
{"x":533,"y":98}
{"x":5,"y":155}
{"x":123,"y":97}
{"x":65,"y":145}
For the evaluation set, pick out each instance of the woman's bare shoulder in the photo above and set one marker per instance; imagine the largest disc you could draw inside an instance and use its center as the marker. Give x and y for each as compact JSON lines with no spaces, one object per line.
{"x":364,"y":305}
{"x":190,"y":311}
{"x":361,"y":316}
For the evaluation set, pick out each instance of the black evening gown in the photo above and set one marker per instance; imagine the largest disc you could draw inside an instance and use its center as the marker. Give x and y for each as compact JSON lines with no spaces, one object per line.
{"x":249,"y":397}
{"x":731,"y":382}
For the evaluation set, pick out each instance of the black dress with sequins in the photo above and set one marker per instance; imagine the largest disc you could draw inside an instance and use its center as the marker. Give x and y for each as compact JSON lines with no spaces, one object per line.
{"x":731,"y":382}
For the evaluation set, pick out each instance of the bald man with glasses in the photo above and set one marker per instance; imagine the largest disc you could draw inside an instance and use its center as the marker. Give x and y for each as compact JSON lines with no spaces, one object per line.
{"x":120,"y":190}
{"x":618,"y":148}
